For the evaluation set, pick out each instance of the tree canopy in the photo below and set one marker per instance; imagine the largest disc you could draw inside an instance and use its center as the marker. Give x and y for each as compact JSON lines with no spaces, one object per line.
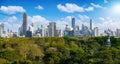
{"x":59,"y":50}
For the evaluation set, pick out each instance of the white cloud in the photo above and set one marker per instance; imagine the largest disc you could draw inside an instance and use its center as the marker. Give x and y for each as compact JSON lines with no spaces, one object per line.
{"x":38,"y":21}
{"x":62,"y":22}
{"x":12,"y":9}
{"x":70,"y":8}
{"x":39,"y":7}
{"x":37,"y":18}
{"x":11,"y":23}
{"x":83,"y":17}
{"x":105,"y":1}
{"x":66,"y":19}
{"x":12,"y":19}
{"x":89,"y":8}
{"x":98,"y":6}
{"x":108,"y":22}
{"x":101,"y":19}
{"x":11,"y":26}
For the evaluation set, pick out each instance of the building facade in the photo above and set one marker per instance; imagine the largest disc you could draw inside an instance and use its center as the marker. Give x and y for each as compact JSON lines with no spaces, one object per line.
{"x":90,"y":24}
{"x":96,"y":31}
{"x":1,"y":29}
{"x":52,"y":29}
{"x":24,"y":25}
{"x":117,"y":32}
{"x":73,"y":23}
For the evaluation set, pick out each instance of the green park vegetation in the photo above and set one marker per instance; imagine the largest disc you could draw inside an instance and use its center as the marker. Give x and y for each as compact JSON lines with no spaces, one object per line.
{"x":59,"y":50}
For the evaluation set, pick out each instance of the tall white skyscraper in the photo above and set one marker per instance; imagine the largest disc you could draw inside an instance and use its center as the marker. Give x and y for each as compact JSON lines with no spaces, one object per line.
{"x":96,"y":31}
{"x":43,"y":31}
{"x":1,"y":29}
{"x":31,"y":28}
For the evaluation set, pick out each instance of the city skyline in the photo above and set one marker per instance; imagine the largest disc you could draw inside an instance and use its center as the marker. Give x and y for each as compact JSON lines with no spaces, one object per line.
{"x":104,"y":13}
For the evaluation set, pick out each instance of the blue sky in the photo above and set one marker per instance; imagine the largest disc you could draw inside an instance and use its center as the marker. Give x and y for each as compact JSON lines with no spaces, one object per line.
{"x":41,"y":12}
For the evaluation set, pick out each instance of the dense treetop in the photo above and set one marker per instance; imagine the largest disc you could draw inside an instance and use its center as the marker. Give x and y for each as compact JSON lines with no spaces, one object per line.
{"x":59,"y":50}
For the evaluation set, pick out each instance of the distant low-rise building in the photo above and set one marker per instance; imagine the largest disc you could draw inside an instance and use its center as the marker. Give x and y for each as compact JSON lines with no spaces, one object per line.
{"x":28,"y":34}
{"x":108,"y":42}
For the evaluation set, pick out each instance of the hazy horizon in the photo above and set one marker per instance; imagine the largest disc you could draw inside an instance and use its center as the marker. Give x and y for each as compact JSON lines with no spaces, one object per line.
{"x":104,"y":13}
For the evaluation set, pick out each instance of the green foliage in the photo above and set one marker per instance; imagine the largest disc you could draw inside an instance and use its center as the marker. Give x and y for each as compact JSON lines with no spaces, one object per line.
{"x":59,"y":50}
{"x":10,"y":55}
{"x":52,"y":58}
{"x":22,"y":62}
{"x":4,"y":61}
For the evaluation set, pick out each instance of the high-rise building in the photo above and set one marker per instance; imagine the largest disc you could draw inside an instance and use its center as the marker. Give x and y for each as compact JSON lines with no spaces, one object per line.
{"x":73,"y":23}
{"x":24,"y":25}
{"x":1,"y":29}
{"x":90,"y":24}
{"x":30,"y":32}
{"x":19,"y":31}
{"x":108,"y":32}
{"x":31,"y":28}
{"x":77,"y":31}
{"x":96,"y":31}
{"x":43,"y":31}
{"x":68,"y":31}
{"x":77,"y":27}
{"x":73,"y":26}
{"x":38,"y":32}
{"x":117,"y":32}
{"x":52,"y":29}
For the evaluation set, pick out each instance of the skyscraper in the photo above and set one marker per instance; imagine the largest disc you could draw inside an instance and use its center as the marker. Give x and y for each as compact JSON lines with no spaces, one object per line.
{"x":1,"y":29}
{"x":52,"y":29}
{"x":118,"y":32}
{"x":90,"y":24}
{"x":73,"y":23}
{"x":43,"y":31}
{"x":24,"y":25}
{"x":31,"y":28}
{"x":19,"y":31}
{"x":30,"y":31}
{"x":96,"y":31}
